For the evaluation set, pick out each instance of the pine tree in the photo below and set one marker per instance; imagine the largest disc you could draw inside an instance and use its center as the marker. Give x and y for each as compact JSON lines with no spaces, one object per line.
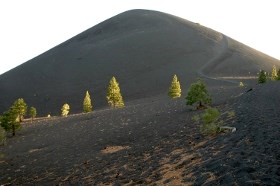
{"x":20,"y":108}
{"x":87,"y":103}
{"x":114,"y":96}
{"x":65,"y":109}
{"x":10,"y":121}
{"x":198,"y":94}
{"x":262,"y":77}
{"x":175,"y":88}
{"x":278,"y":74}
{"x":274,"y":74}
{"x":32,"y":113}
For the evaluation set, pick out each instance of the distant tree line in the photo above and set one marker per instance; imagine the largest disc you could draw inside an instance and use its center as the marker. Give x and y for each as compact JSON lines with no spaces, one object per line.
{"x":197,"y":94}
{"x":10,"y":120}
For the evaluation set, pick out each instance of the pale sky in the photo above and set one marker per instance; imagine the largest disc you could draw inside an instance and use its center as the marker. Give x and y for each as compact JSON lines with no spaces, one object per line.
{"x":31,"y":27}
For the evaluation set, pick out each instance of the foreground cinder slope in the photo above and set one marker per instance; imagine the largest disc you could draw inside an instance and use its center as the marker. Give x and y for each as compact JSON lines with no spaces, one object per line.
{"x":143,"y":49}
{"x":151,"y":141}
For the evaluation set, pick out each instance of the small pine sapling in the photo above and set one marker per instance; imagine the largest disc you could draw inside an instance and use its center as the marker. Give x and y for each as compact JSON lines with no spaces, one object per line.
{"x":87,"y":106}
{"x":175,"y":88}
{"x":65,"y":110}
{"x":32,"y":113}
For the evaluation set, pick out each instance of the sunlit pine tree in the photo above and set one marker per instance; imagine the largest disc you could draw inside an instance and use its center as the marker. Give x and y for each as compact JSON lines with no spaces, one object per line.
{"x":87,"y":106}
{"x":175,"y":88}
{"x":274,"y":73}
{"x":114,"y":96}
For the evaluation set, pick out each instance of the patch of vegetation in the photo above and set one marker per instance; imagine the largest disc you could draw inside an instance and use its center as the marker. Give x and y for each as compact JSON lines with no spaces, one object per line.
{"x":114,"y":96}
{"x":196,"y":118}
{"x":274,"y":73}
{"x":278,"y":74}
{"x":32,"y":113}
{"x":231,"y":114}
{"x":87,"y":106}
{"x":198,"y":94}
{"x":20,"y":108}
{"x":211,"y":121}
{"x":175,"y":88}
{"x":65,"y":110}
{"x":241,"y":84}
{"x":10,"y":121}
{"x":262,"y":77}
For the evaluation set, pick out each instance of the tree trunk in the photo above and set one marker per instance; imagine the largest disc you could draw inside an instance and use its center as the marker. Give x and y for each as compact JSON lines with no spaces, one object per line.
{"x":21,"y":118}
{"x":14,"y":129}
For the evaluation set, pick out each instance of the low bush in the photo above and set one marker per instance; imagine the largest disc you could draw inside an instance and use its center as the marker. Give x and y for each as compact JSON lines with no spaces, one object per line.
{"x":211,"y":121}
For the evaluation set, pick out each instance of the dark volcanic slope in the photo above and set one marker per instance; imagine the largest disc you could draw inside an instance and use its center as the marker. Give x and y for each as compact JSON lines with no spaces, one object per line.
{"x":162,"y":146}
{"x":143,"y":49}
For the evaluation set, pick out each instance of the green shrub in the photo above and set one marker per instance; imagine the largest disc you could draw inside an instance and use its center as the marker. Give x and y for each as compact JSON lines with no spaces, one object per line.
{"x":211,"y":124}
{"x":241,"y":84}
{"x":210,"y":121}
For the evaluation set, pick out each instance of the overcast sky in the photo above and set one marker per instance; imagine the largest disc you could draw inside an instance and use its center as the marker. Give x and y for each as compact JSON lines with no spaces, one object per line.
{"x":30,"y":27}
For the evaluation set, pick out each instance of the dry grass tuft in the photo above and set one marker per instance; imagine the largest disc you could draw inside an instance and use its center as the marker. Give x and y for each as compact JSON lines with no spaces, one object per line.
{"x":113,"y":149}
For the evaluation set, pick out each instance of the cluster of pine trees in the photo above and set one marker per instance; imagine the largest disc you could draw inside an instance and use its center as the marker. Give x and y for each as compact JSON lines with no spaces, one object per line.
{"x":197,"y":92}
{"x":114,"y":99}
{"x":264,"y":76}
{"x":11,"y":119}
